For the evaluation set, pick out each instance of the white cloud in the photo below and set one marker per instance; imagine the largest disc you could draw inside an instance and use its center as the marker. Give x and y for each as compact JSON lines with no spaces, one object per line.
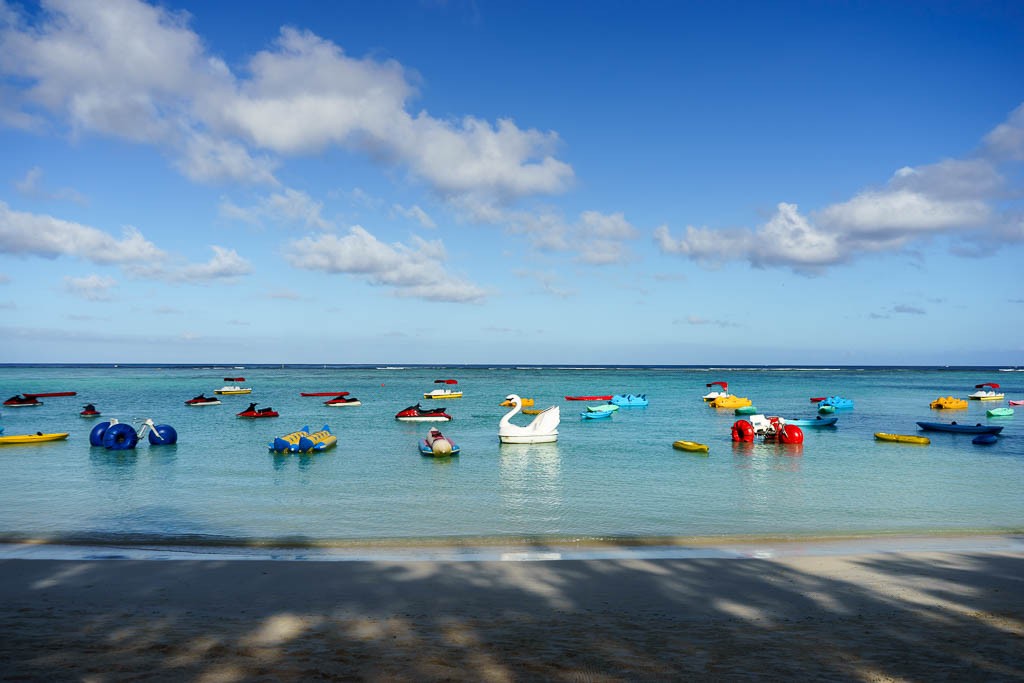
{"x":414,"y":271}
{"x":415,"y":213}
{"x":91,"y":287}
{"x":138,"y":72}
{"x":288,"y":207}
{"x":49,"y":237}
{"x":1006,"y":141}
{"x":31,"y":186}
{"x":697,"y":320}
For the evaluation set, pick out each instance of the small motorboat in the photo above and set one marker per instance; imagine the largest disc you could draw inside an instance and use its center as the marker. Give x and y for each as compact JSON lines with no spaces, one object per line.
{"x":690,"y":446}
{"x":417,"y":414}
{"x":630,"y":400}
{"x":443,"y":393}
{"x":283,"y":444}
{"x":1000,"y":412}
{"x":89,"y":410}
{"x":948,"y":403}
{"x":232,"y":389}
{"x":595,"y":414}
{"x":437,"y":444}
{"x":323,"y":393}
{"x":987,"y":391}
{"x":341,"y":401}
{"x":730,"y":401}
{"x":51,"y":394}
{"x":606,"y":397}
{"x":253,"y":412}
{"x":962,"y":429}
{"x":984,"y":439}
{"x":712,"y":395}
{"x":202,"y":400}
{"x":543,"y":429}
{"x":38,"y":437}
{"x":818,"y":421}
{"x":19,"y":401}
{"x":315,"y":442}
{"x":903,"y":438}
{"x":837,"y":402}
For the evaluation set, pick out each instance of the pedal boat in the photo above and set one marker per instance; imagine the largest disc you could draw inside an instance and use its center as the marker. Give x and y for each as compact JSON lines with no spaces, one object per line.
{"x":989,"y":394}
{"x":442,"y":393}
{"x":627,"y":400}
{"x":233,"y":389}
{"x":543,"y":428}
{"x":730,"y":402}
{"x":948,"y":403}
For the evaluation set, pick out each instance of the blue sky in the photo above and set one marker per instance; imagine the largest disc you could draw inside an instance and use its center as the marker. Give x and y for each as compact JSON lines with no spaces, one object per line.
{"x":452,"y":182}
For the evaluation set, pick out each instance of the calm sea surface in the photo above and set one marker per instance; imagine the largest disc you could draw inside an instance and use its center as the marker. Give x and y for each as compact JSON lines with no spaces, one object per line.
{"x":609,"y":478}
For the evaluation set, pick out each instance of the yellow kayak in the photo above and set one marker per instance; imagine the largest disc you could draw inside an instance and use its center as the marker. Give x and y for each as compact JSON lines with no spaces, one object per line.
{"x":31,"y":438}
{"x":903,"y":438}
{"x":690,"y":446}
{"x":730,"y":402}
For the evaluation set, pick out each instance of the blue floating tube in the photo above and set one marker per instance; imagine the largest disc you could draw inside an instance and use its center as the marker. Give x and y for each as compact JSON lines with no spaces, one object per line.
{"x":96,"y":435}
{"x":120,"y":437}
{"x":163,"y":435}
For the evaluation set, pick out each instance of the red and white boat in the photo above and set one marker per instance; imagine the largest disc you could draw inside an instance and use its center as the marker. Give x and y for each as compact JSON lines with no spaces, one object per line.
{"x":253,"y":412}
{"x":202,"y":400}
{"x":722,"y":393}
{"x":323,"y":393}
{"x":89,"y":410}
{"x":22,"y":401}
{"x":417,"y":414}
{"x":341,"y":401}
{"x":988,"y":391}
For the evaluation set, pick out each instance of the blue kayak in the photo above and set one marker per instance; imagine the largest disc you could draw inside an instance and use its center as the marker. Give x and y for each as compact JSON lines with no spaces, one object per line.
{"x":814,"y":422}
{"x":596,"y":414}
{"x":962,"y":429}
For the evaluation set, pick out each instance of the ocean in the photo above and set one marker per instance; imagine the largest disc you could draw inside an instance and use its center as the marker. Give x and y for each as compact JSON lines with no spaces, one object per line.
{"x":616,"y":479}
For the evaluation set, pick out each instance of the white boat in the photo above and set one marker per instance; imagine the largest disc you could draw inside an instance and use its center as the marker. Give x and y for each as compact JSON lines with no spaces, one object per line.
{"x":543,"y":428}
{"x":443,"y":393}
{"x":987,"y":394}
{"x":233,"y":389}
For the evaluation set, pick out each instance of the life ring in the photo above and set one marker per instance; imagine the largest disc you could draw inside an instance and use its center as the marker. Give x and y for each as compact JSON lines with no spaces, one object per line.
{"x":96,"y":435}
{"x":120,"y":437}
{"x":163,"y":435}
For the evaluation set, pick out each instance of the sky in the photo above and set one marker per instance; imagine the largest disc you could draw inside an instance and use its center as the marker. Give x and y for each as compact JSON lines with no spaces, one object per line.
{"x":599,"y":182}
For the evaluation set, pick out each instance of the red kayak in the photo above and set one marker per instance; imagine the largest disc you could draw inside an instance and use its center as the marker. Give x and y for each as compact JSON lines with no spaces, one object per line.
{"x":323,"y":393}
{"x":589,"y":398}
{"x":234,"y":379}
{"x":818,"y":399}
{"x":51,"y":394}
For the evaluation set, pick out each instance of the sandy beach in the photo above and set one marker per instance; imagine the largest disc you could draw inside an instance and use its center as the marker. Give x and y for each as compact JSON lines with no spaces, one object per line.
{"x":868,"y":616}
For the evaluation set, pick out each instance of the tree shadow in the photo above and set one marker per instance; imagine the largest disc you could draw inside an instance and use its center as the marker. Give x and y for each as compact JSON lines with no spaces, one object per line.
{"x":922,"y":616}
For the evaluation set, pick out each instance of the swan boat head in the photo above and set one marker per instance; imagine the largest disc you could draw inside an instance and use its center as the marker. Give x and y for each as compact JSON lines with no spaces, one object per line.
{"x":543,"y":428}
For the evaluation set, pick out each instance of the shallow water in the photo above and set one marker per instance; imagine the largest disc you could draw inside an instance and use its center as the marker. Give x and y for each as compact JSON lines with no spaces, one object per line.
{"x":610,"y":478}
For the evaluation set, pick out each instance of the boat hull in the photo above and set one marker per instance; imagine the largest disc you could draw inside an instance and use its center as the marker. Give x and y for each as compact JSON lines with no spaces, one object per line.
{"x":424,"y":418}
{"x":589,"y":398}
{"x":534,"y":438}
{"x":15,"y":439}
{"x":903,"y":438}
{"x":815,"y":422}
{"x":323,"y":393}
{"x":959,"y":429}
{"x":232,"y":392}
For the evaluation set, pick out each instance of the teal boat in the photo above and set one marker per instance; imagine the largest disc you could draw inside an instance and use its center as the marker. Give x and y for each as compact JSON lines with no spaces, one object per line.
{"x":595,"y":414}
{"x":814,"y":422}
{"x":746,"y":410}
{"x":1000,"y":412}
{"x":826,"y":409}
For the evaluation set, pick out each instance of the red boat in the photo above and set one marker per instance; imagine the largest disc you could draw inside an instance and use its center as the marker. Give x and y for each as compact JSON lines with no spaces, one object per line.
{"x":339,"y":401}
{"x":446,"y":381}
{"x":202,"y":400}
{"x":252,"y":412}
{"x":417,"y":414}
{"x":89,"y":410}
{"x":234,"y":379}
{"x":51,"y":394}
{"x":22,"y":401}
{"x":818,"y":399}
{"x":323,"y":393}
{"x":589,"y":398}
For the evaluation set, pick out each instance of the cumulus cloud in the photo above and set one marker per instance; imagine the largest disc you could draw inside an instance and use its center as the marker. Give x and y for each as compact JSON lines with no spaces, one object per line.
{"x":289,"y":207}
{"x":416,"y":271}
{"x":90,"y":287}
{"x":135,"y":71}
{"x":49,"y":237}
{"x":952,"y":196}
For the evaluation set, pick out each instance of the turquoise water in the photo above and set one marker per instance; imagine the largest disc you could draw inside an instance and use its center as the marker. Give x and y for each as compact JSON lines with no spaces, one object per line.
{"x":609,"y":478}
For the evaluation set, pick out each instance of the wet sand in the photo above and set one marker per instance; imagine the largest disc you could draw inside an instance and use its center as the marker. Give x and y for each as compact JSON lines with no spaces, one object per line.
{"x":866,"y":616}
